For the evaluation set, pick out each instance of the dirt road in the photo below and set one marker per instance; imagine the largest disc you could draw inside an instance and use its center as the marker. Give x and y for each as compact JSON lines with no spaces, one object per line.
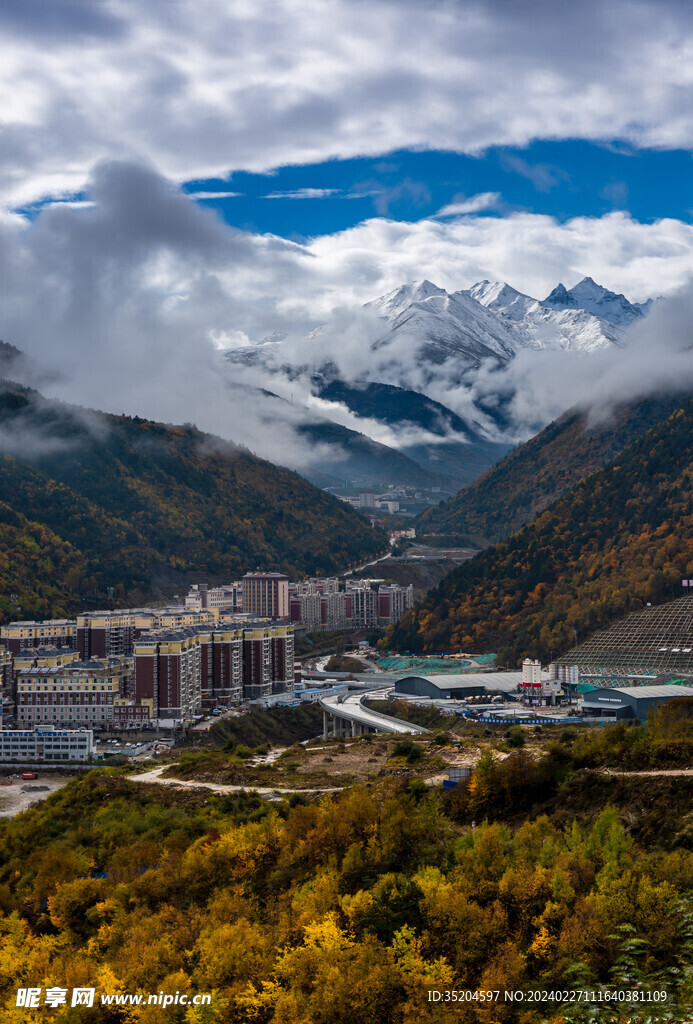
{"x":651,"y":771}
{"x":154,"y":776}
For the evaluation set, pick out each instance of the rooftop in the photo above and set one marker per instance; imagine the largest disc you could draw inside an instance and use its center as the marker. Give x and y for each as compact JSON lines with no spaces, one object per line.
{"x":505,"y":681}
{"x":647,"y":692}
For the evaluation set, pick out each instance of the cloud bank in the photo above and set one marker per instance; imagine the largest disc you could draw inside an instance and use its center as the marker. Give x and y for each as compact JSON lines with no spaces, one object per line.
{"x":202,"y":88}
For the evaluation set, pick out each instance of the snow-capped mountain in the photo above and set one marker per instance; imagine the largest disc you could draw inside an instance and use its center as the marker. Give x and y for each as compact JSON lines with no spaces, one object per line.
{"x":429,"y":331}
{"x":590,"y":296}
{"x":425,"y":328}
{"x":545,"y":327}
{"x":466,"y":350}
{"x":442,"y":326}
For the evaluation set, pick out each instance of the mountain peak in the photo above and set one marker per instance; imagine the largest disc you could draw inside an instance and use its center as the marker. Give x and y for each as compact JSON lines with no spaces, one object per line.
{"x":594,"y":298}
{"x":494,"y":293}
{"x":560,"y":298}
{"x":399,"y":298}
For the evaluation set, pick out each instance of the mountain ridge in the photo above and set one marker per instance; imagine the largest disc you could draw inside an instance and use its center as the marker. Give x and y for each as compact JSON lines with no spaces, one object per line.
{"x":533,"y":475}
{"x":622,"y":537}
{"x":593,"y":297}
{"x":129,"y":502}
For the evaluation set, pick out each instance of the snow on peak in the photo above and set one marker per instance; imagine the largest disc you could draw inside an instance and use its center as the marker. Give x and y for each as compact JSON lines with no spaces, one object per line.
{"x":560,"y":298}
{"x":592,"y":297}
{"x":494,"y":293}
{"x":396,"y":301}
{"x":539,"y":325}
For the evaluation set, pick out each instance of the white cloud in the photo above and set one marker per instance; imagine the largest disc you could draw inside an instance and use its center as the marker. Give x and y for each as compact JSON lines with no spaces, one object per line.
{"x":460,"y":206}
{"x":530,"y":251}
{"x":214,"y":195}
{"x":72,"y":204}
{"x":537,"y":387}
{"x":304,"y":193}
{"x":200,"y":87}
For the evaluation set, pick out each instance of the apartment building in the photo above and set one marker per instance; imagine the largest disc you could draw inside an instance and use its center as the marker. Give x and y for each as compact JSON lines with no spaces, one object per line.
{"x":6,"y":670}
{"x":44,"y":657}
{"x":306,"y":609}
{"x":129,"y":713}
{"x":268,"y":660}
{"x":227,"y":598}
{"x":173,"y":671}
{"x":82,"y":693}
{"x":362,"y":604}
{"x":227,"y":665}
{"x":266,"y":594}
{"x":104,"y":633}
{"x":17,"y":636}
{"x":333,"y":610}
{"x":393,"y":601}
{"x":318,"y":604}
{"x":315,"y":585}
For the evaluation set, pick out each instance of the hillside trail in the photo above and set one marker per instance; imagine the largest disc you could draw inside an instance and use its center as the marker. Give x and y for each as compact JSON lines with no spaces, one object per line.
{"x":649,"y":771}
{"x":154,"y":776}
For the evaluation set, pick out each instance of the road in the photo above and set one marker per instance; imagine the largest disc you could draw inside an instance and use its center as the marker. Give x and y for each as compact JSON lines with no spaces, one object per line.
{"x":652,"y":771}
{"x":154,"y":777}
{"x":351,"y":709}
{"x":359,"y":568}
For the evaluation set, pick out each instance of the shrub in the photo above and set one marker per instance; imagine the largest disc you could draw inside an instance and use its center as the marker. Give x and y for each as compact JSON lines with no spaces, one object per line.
{"x":515,"y":737}
{"x":408,"y":749}
{"x":402,"y":747}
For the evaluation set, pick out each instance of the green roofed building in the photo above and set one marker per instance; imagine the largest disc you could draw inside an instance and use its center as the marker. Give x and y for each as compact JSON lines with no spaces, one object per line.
{"x":638,"y":649}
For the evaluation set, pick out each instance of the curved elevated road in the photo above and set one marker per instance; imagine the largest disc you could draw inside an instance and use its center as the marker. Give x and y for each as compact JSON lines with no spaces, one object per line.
{"x":349,"y":717}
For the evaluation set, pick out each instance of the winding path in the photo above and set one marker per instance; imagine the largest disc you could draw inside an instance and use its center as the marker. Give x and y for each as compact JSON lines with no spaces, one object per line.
{"x":154,"y":776}
{"x":650,"y":771}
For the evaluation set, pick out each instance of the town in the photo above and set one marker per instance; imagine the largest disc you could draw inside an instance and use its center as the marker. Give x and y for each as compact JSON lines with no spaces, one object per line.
{"x":140,"y":668}
{"x":129,"y":672}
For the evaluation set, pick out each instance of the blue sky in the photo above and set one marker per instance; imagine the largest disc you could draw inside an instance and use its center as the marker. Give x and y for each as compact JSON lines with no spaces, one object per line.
{"x":563,"y":179}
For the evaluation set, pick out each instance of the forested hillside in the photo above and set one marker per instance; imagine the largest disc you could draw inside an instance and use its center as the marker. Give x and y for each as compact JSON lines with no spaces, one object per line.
{"x":622,"y":537}
{"x":528,"y":479}
{"x":103,"y":508}
{"x":531,"y":877}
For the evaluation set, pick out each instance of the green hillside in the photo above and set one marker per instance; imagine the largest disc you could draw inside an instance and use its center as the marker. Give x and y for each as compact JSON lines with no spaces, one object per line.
{"x":528,"y":479}
{"x":100,"y":508}
{"x":622,"y":537}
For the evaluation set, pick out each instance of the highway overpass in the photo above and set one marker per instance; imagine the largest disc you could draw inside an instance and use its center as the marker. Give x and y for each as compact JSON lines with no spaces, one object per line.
{"x":346,"y":716}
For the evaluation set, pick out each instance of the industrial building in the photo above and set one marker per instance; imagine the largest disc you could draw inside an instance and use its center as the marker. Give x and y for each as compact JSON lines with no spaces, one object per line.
{"x":457,"y":687}
{"x":638,"y":648}
{"x":46,"y":744}
{"x":623,"y":702}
